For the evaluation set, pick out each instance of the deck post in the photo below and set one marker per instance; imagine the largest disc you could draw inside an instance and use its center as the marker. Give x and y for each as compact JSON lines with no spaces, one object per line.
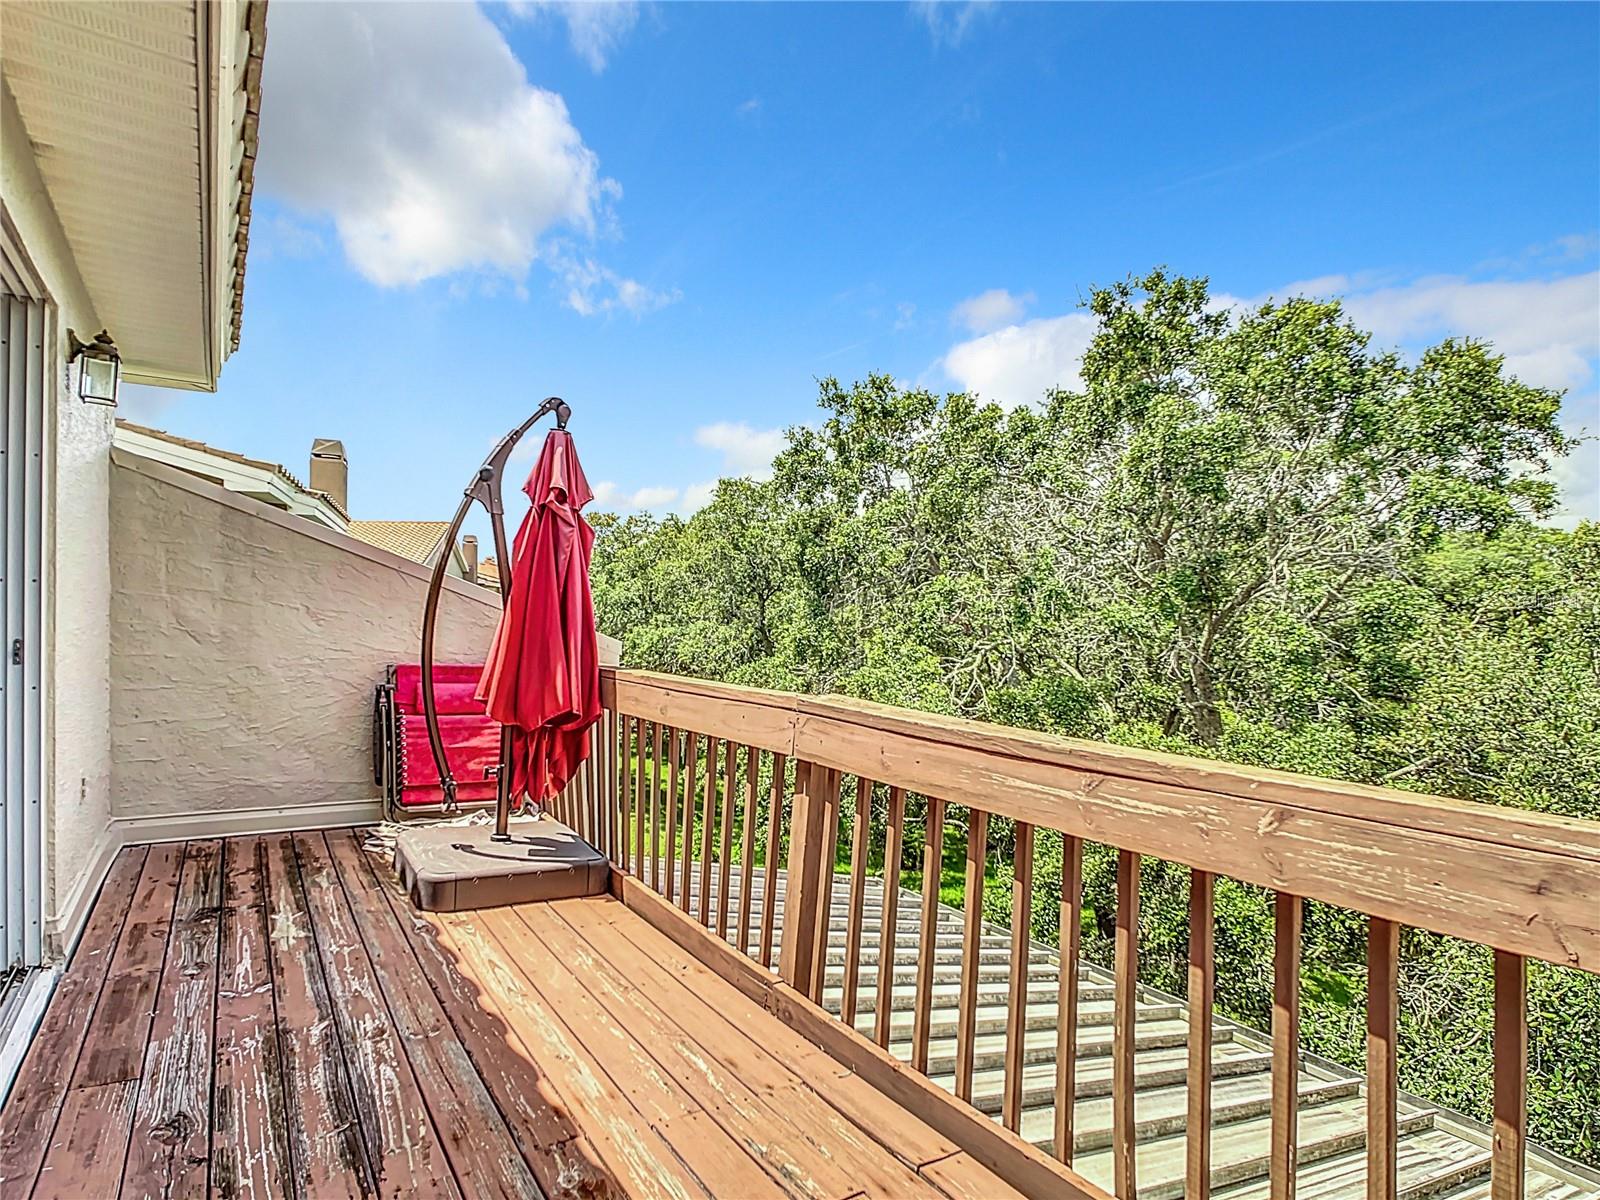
{"x":798,"y":963}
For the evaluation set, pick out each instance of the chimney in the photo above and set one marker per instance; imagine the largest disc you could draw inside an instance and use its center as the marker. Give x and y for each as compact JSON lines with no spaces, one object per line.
{"x":469,"y":557}
{"x":330,"y":471}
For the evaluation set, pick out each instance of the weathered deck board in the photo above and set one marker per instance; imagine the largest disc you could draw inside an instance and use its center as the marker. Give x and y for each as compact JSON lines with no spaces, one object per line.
{"x":794,"y":1135}
{"x":89,"y":1144}
{"x":324,"y":1131}
{"x":250,"y":1156}
{"x":267,"y":1017}
{"x":401,"y":1143}
{"x":473,"y":1134}
{"x":41,"y":1082}
{"x":171,"y":1141}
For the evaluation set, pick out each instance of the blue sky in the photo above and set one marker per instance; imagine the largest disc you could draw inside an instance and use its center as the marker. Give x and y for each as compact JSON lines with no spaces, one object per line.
{"x":680,"y":216}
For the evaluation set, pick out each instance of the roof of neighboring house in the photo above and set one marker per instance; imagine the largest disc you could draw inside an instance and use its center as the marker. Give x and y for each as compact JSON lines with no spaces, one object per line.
{"x":489,"y":574}
{"x":277,"y":469}
{"x":416,"y":540}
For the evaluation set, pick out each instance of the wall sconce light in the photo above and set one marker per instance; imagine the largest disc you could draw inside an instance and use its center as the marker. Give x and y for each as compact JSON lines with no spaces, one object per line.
{"x":99,"y":367}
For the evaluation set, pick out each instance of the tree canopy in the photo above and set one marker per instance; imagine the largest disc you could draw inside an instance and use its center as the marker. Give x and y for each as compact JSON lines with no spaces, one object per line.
{"x":1249,"y":534}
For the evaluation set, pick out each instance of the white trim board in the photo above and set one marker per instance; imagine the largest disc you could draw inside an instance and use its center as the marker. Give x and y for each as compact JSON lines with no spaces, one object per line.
{"x":244,"y":822}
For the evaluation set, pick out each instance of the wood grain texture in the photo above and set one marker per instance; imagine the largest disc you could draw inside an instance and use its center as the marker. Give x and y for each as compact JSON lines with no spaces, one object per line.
{"x":860,"y":827}
{"x":774,"y":855}
{"x":663,"y":741}
{"x":971,"y":933}
{"x":1202,"y":980}
{"x":397,"y":1130}
{"x":250,"y":1155}
{"x":1124,"y":1021}
{"x":797,"y":963}
{"x":1071,"y":934}
{"x":619,"y":1134}
{"x":1020,"y":1165}
{"x":669,"y":869}
{"x":1508,"y":1169}
{"x":481,"y":1151}
{"x":932,"y":869}
{"x":1288,"y":918}
{"x":747,"y":850}
{"x":708,"y":827}
{"x":1021,"y":957}
{"x":170,"y":1144}
{"x":893,"y":849}
{"x":730,"y":793}
{"x":1383,"y":1009}
{"x":691,"y":764}
{"x":324,"y":1125}
{"x":89,"y":1141}
{"x":40,"y":1087}
{"x":1532,"y":899}
{"x":826,"y":786}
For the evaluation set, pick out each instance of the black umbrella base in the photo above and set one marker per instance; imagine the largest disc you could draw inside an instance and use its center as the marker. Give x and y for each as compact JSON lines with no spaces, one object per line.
{"x":456,"y":868}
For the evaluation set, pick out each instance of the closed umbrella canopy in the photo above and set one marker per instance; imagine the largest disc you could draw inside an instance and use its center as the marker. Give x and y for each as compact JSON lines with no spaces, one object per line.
{"x":542,"y":678}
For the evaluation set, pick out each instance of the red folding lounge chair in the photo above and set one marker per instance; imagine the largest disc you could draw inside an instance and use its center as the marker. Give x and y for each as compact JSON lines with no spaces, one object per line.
{"x":402,"y":764}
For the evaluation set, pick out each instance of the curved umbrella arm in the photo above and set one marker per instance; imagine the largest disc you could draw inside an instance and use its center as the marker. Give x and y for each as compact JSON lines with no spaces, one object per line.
{"x":485,"y":489}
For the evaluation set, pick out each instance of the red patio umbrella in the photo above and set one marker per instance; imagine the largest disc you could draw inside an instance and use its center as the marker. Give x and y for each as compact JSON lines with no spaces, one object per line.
{"x":542,"y":678}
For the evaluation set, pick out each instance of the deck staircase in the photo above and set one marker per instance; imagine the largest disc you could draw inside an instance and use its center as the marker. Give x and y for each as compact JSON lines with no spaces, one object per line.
{"x":1440,"y":1154}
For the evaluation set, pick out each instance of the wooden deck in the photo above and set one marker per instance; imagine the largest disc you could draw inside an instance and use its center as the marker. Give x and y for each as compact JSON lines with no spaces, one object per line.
{"x":268,"y":1017}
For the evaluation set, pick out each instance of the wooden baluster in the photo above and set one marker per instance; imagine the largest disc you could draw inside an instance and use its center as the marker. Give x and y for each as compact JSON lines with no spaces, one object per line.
{"x":1021,"y":975}
{"x":830,"y":855}
{"x":858,"y":900}
{"x":657,"y":784}
{"x":640,"y":813}
{"x":708,"y":831}
{"x":775,"y":845}
{"x":894,"y":839}
{"x":691,"y":766}
{"x":798,"y":965}
{"x":617,"y":812}
{"x":669,"y":852}
{"x":747,"y":851}
{"x":1383,"y":1007}
{"x":1125,"y":1019}
{"x":932,"y":869}
{"x":1508,"y":1167}
{"x":769,"y":891}
{"x":725,"y":851}
{"x":971,"y":950}
{"x":1071,"y":935}
{"x":1288,"y":918}
{"x":827,"y":789}
{"x":1202,"y":977}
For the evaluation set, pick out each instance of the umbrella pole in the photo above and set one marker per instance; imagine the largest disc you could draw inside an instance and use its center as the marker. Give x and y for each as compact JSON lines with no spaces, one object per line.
{"x":485,"y":490}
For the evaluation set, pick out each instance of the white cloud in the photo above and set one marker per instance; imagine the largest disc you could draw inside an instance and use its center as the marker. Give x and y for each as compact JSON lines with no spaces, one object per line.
{"x":415,"y":129}
{"x":608,"y":496}
{"x":744,"y":450}
{"x":750,"y":107}
{"x":1549,"y":330}
{"x":594,"y":27}
{"x":990,"y":310}
{"x":949,"y":21}
{"x":1018,"y":364}
{"x":593,"y":289}
{"x":696,"y":496}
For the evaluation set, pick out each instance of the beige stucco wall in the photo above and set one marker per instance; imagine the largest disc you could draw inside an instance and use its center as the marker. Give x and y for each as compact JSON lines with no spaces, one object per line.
{"x":244,"y":649}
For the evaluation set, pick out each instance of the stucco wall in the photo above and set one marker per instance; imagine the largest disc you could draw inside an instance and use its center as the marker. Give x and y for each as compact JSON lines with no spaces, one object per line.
{"x":245,"y":646}
{"x":78,"y":841}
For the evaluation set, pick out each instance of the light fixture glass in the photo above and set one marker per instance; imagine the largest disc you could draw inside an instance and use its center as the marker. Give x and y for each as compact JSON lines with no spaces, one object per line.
{"x":99,"y":368}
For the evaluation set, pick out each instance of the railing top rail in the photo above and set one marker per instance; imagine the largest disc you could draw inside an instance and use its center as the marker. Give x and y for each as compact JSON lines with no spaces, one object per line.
{"x":1518,"y":881}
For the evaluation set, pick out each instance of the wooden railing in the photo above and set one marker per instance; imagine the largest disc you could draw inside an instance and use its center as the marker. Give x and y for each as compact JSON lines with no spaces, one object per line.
{"x":1525,"y":884}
